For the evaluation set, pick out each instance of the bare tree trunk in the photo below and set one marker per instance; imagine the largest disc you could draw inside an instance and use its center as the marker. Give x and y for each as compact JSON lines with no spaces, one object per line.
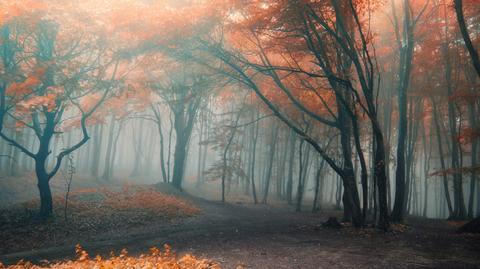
{"x":473,"y":161}
{"x":289,"y":188}
{"x":137,"y":147}
{"x":252,"y":168}
{"x":201,"y":148}
{"x":97,"y":148}
{"x":406,"y":56}
{"x":318,"y":186}
{"x":300,"y":176}
{"x":273,"y":145}
{"x":225,"y":152}
{"x":114,"y":150}
{"x":108,"y":153}
{"x":159,"y":122}
{"x":281,"y":170}
{"x":441,"y":153}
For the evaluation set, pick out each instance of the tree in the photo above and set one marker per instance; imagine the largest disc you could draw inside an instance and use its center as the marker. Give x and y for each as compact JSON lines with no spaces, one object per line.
{"x":69,"y":74}
{"x":183,"y":89}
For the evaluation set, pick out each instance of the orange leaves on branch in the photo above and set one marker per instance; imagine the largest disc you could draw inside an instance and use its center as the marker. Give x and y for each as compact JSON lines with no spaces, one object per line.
{"x":19,"y":89}
{"x":37,"y":102}
{"x":89,"y":101}
{"x":27,"y":97}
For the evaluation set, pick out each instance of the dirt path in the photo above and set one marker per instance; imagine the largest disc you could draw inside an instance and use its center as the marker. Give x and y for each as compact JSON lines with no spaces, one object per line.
{"x":267,"y":237}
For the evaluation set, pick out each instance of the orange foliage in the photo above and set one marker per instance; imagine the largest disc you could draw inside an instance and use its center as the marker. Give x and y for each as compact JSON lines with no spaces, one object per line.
{"x":20,"y":89}
{"x":155,"y":259}
{"x":9,"y":10}
{"x":150,"y":200}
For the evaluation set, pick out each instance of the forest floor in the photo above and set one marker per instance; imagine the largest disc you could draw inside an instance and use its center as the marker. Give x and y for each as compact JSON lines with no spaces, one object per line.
{"x":256,"y":236}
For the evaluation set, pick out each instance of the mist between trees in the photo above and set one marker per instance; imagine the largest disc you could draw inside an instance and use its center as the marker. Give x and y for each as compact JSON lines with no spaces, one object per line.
{"x":366,"y":106}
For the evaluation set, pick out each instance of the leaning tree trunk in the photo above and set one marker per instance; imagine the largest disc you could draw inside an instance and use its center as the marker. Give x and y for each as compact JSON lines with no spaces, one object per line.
{"x":466,"y":37}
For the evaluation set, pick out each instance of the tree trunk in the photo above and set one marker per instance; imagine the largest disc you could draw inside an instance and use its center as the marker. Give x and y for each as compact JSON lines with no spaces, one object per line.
{"x":46,"y":203}
{"x":273,"y":145}
{"x":97,"y":145}
{"x":43,"y":179}
{"x":318,"y":188}
{"x":406,"y":55}
{"x":473,"y":160}
{"x":108,"y":154}
{"x":252,"y":168}
{"x":300,"y":176}
{"x":179,"y":160}
{"x":289,"y":188}
{"x":438,"y":133}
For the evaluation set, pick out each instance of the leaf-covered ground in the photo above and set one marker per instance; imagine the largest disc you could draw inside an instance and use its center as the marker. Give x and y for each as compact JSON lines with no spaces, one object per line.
{"x":165,"y":259}
{"x":90,"y":212}
{"x":234,"y":234}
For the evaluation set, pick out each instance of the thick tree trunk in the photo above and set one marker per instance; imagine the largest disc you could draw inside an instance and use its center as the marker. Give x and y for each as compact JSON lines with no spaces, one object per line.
{"x":46,"y":203}
{"x":381,"y":178}
{"x":179,"y":160}
{"x":43,"y":178}
{"x":351,"y":200}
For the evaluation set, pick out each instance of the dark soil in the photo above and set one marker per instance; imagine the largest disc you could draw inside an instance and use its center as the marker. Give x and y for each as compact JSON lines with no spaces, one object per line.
{"x":472,"y":226}
{"x":276,"y":237}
